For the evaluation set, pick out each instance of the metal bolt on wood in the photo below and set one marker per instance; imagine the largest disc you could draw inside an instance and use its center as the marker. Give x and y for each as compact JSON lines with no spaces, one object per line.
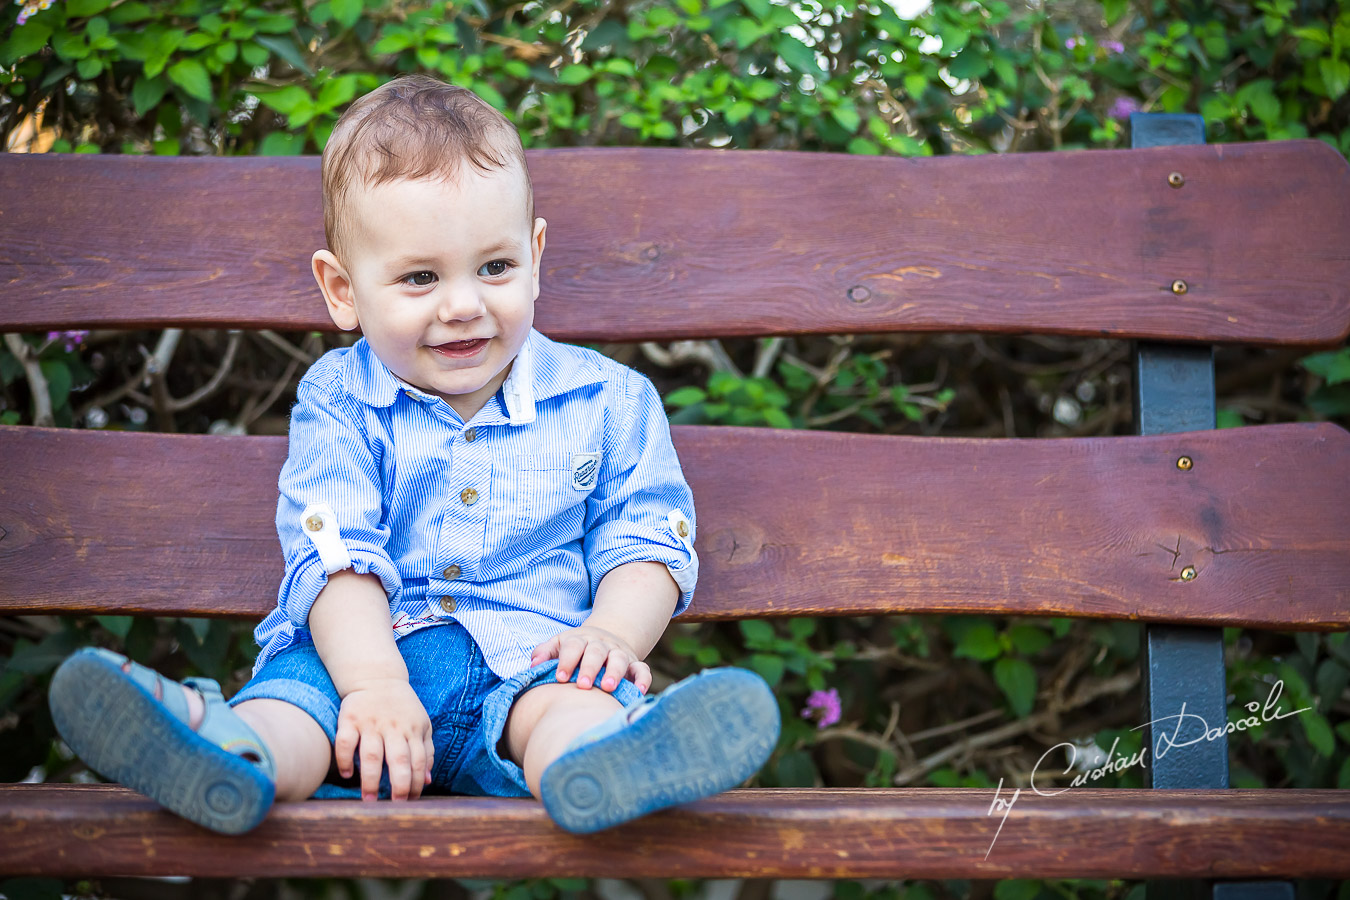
{"x":1179,"y":287}
{"x":1188,"y":573}
{"x":1184,"y":463}
{"x":1176,"y":179}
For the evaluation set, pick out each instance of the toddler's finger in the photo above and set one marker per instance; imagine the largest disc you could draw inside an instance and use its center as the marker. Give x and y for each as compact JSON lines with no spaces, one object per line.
{"x":545,"y":651}
{"x":372,"y":764}
{"x":569,"y":654}
{"x":616,"y":666}
{"x":417,"y":758}
{"x":398,"y":759}
{"x":641,"y":675}
{"x":591,"y":661}
{"x":430,"y":747}
{"x":344,"y":746}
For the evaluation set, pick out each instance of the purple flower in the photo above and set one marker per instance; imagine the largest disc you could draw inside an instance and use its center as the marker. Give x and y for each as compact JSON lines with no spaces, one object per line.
{"x":1113,"y":46}
{"x":1071,"y":43}
{"x":824,"y":707}
{"x":72,"y":339}
{"x":1122,"y":108}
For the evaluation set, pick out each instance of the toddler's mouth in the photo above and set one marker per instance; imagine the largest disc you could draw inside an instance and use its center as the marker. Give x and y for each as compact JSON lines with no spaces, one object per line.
{"x":461,"y":349}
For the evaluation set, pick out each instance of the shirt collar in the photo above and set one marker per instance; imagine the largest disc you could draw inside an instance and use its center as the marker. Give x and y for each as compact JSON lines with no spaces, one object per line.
{"x":542,"y":369}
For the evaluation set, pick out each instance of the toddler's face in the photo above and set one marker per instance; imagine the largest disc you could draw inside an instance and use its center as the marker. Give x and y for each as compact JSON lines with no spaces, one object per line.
{"x":443,"y":277}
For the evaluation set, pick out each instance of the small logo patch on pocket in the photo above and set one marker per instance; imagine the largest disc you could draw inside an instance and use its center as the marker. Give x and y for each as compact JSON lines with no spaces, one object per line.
{"x":585,"y":470}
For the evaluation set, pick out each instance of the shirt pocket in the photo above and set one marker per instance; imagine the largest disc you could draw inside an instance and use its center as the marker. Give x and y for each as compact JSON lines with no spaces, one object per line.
{"x":544,"y":507}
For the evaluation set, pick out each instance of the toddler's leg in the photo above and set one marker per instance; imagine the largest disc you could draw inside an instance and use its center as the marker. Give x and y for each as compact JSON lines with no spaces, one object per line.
{"x":179,"y":744}
{"x":545,"y":719}
{"x":306,"y":753}
{"x":702,"y":736}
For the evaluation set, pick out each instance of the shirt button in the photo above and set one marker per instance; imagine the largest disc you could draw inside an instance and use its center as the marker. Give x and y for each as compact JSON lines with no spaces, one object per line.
{"x":451,"y":573}
{"x":471,"y":435}
{"x":410,"y":395}
{"x":468,"y":496}
{"x":448,"y":604}
{"x":314,"y":523}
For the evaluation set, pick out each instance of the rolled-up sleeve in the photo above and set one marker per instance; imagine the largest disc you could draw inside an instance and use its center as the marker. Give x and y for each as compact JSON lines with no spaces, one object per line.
{"x":641,"y":509}
{"x":330,"y":465}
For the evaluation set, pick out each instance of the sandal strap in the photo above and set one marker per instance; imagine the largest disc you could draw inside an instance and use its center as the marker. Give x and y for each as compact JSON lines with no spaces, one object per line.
{"x":220,"y":724}
{"x":156,"y":685}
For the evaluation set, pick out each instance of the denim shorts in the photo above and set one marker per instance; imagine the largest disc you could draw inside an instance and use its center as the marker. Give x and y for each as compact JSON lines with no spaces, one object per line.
{"x":466,"y":702}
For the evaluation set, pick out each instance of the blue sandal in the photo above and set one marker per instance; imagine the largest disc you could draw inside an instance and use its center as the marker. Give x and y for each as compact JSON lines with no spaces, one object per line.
{"x":702,"y":736}
{"x":130,"y":725}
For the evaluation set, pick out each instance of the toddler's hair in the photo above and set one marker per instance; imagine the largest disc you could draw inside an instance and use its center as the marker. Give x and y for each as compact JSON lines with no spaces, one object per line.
{"x":414,"y":127}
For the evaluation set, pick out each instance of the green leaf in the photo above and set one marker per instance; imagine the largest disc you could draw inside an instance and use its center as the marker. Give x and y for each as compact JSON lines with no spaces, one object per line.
{"x":847,"y":117}
{"x":198,"y":40}
{"x":574,"y":74}
{"x":1335,"y":76}
{"x":1028,"y":639}
{"x":285,"y":48}
{"x":253,"y":54}
{"x":1017,"y":679}
{"x":191,"y":76}
{"x":164,"y":45}
{"x":1318,"y":732}
{"x":1112,"y":10}
{"x":757,"y":632}
{"x":126,"y":13}
{"x":83,"y":8}
{"x":1017,"y":889}
{"x":347,"y":12}
{"x":282,"y":143}
{"x":798,"y":55}
{"x":391,"y":42}
{"x":1333,"y":366}
{"x":768,"y":667}
{"x":285,"y":100}
{"x":70,"y":46}
{"x":24,"y":41}
{"x":336,"y":92}
{"x":59,"y":381}
{"x":89,"y":68}
{"x":978,"y":641}
{"x":686,"y":396}
{"x":796,"y":769}
{"x":118,"y":625}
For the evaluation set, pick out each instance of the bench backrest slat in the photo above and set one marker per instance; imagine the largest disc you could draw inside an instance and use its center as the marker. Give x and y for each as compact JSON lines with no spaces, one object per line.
{"x":830,"y":524}
{"x":670,"y":243}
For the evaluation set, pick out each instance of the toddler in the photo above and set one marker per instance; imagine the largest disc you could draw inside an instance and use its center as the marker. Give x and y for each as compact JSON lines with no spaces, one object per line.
{"x":485,"y":533}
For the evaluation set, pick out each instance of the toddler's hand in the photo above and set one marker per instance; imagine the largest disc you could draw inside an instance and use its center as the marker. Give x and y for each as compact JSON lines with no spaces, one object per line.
{"x":389,"y":725}
{"x":587,"y":649}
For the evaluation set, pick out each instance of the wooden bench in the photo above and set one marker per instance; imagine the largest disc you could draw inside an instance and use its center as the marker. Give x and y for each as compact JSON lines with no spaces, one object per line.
{"x":1177,"y":247}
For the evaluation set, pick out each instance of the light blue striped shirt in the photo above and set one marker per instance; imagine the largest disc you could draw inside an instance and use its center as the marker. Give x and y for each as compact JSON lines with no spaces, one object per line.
{"x":505,"y":523}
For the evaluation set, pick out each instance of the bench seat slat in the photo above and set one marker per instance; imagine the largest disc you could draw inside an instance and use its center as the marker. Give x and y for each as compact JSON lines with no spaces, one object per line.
{"x":663,"y":243}
{"x":1097,"y":527}
{"x":84,"y":830}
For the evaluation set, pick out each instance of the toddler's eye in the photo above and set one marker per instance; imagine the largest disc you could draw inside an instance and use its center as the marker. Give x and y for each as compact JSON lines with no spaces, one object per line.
{"x":420,"y":279}
{"x":505,"y":266}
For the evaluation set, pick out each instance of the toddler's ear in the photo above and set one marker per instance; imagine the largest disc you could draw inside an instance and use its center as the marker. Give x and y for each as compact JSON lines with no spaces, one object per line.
{"x":336,"y":286}
{"x":537,"y":251}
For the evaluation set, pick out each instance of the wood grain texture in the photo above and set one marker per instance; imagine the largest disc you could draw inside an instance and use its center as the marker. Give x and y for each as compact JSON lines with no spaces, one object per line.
{"x":789,"y":523}
{"x":671,"y":243}
{"x":90,"y":830}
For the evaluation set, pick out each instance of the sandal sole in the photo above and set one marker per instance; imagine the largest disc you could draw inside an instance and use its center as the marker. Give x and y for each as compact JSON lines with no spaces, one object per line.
{"x":125,"y":734}
{"x":703,"y":739}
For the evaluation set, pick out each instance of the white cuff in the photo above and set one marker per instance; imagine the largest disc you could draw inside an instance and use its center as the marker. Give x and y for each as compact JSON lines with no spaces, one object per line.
{"x":683,"y":531}
{"x":319,"y":524}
